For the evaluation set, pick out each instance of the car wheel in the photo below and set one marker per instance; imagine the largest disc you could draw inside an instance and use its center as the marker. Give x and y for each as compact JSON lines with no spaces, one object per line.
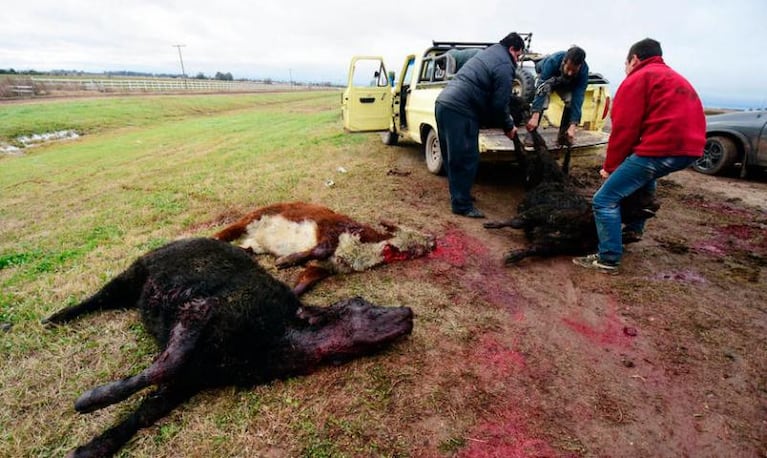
{"x":718,"y":155}
{"x":433,"y":153}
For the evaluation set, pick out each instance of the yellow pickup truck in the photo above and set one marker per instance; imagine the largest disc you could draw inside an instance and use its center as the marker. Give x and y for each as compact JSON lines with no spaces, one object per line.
{"x":374,"y":100}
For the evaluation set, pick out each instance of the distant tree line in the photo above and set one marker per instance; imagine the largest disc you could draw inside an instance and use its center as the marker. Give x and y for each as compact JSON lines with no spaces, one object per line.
{"x":11,"y":71}
{"x":128,"y":73}
{"x":219,"y":76}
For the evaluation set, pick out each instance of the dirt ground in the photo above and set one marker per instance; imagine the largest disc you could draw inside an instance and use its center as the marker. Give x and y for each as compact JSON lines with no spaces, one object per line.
{"x":666,"y":359}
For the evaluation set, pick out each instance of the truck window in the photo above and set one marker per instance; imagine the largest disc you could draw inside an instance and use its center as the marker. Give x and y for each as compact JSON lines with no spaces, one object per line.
{"x":408,"y":76}
{"x":370,"y":73}
{"x":427,"y":71}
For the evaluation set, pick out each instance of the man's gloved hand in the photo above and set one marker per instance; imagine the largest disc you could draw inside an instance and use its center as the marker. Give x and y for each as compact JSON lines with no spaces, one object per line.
{"x":547,"y":86}
{"x":544,"y":89}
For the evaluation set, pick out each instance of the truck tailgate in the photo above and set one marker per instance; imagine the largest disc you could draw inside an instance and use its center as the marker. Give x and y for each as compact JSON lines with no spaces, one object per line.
{"x":495,"y":140}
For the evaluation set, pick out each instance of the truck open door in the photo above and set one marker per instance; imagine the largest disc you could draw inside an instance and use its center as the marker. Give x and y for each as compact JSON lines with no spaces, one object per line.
{"x":366,"y":104}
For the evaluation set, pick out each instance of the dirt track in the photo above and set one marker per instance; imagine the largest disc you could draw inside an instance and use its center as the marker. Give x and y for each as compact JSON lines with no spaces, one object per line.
{"x":667,"y":359}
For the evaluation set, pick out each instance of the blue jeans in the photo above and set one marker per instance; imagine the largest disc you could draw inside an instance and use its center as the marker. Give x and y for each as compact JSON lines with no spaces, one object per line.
{"x":634,"y":173}
{"x":459,"y":144}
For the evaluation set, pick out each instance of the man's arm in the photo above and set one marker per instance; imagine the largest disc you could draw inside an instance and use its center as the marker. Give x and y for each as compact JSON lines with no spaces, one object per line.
{"x":627,"y":117}
{"x":579,"y":93}
{"x":548,"y":67}
{"x":499,"y":100}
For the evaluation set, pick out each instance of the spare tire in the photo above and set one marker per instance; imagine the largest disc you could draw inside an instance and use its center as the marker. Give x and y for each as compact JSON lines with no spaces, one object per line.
{"x":523,"y":85}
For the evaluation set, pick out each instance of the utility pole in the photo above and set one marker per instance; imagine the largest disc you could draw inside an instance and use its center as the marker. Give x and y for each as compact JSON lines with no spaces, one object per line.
{"x":181,"y":59}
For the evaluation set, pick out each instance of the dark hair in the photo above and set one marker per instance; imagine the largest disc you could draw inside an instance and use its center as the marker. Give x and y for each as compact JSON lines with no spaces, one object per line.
{"x":513,"y":40}
{"x":576,"y":55}
{"x":645,"y":49}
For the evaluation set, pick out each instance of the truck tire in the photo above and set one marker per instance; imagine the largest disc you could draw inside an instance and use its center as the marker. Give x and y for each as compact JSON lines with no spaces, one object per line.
{"x":718,"y":155}
{"x":523,"y":85}
{"x":433,"y":153}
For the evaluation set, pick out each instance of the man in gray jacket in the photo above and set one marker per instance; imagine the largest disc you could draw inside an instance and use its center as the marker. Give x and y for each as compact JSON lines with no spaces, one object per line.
{"x":478,"y":95}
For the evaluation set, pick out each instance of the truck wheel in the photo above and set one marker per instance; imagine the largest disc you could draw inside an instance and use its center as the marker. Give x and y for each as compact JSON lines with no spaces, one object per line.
{"x":523,"y":85}
{"x":718,"y":155}
{"x":390,"y":138}
{"x":433,"y":153}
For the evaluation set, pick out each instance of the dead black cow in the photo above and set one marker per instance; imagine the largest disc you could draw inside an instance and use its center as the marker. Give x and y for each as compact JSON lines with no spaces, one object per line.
{"x":221,"y":319}
{"x":556,"y":218}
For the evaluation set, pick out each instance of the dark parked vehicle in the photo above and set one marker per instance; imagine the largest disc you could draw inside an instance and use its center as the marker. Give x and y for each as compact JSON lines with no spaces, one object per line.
{"x":734,"y":138}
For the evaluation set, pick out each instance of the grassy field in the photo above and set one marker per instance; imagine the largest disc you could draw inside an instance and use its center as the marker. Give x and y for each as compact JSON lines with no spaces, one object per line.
{"x":147,"y":170}
{"x":540,"y":359}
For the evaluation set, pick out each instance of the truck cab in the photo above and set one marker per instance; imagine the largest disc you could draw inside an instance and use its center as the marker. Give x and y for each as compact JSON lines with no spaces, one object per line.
{"x":404,"y":108}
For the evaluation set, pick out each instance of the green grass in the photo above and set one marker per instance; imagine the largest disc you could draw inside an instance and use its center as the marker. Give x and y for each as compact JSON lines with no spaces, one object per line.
{"x":147,"y":177}
{"x":93,"y":115}
{"x":148,"y":170}
{"x":145,"y":171}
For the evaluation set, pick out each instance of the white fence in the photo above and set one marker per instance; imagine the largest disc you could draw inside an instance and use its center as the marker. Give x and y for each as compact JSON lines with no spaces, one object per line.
{"x":158,"y":85}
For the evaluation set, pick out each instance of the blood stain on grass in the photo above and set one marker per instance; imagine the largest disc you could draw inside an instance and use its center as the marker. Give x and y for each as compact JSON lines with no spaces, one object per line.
{"x":611,"y":331}
{"x":744,"y":238}
{"x":497,"y":359}
{"x":719,"y":208}
{"x":506,"y":436}
{"x":479,"y":273}
{"x":454,"y":246}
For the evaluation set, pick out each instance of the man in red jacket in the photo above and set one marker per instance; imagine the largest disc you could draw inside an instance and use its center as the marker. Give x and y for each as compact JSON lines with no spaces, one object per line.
{"x":658,"y":127}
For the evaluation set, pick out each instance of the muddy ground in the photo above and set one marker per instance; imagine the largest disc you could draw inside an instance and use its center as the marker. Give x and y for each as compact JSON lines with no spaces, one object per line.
{"x":669,"y":358}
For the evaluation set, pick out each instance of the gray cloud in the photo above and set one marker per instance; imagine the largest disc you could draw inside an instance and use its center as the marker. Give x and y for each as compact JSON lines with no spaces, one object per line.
{"x":716,"y":45}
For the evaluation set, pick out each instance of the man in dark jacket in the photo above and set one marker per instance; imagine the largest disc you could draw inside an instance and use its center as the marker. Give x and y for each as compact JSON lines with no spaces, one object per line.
{"x":658,"y":127}
{"x":479,"y":94}
{"x":567,"y":73}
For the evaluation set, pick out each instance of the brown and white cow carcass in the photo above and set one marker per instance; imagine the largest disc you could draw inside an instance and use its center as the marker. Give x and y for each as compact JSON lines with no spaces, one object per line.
{"x":323,"y":241}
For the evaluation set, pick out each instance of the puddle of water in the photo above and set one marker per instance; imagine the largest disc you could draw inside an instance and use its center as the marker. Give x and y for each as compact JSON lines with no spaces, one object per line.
{"x":29,"y":141}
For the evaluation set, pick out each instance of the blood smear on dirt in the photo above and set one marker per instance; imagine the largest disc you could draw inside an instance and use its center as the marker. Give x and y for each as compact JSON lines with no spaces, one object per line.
{"x":454,"y":247}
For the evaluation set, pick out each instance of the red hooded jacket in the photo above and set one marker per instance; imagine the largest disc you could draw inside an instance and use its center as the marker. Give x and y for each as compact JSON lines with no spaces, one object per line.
{"x":656,"y":112}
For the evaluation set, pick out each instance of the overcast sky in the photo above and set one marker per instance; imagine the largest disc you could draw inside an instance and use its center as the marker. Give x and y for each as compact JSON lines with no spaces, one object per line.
{"x":719,"y":45}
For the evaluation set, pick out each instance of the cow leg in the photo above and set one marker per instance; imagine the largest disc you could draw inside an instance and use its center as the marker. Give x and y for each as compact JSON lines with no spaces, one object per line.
{"x":155,"y":406}
{"x":192,"y":319}
{"x":499,"y":224}
{"x":121,"y":292}
{"x":231,"y":232}
{"x":308,"y":277}
{"x":514,"y":256}
{"x":322,"y":250}
{"x":566,"y":161}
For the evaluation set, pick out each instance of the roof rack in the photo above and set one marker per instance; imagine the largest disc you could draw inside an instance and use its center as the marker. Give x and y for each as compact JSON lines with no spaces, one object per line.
{"x":527,"y":36}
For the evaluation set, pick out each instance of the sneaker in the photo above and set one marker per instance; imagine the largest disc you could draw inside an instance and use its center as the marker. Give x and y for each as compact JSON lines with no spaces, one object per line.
{"x":471,"y":213}
{"x":631,"y":237}
{"x":593,"y":262}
